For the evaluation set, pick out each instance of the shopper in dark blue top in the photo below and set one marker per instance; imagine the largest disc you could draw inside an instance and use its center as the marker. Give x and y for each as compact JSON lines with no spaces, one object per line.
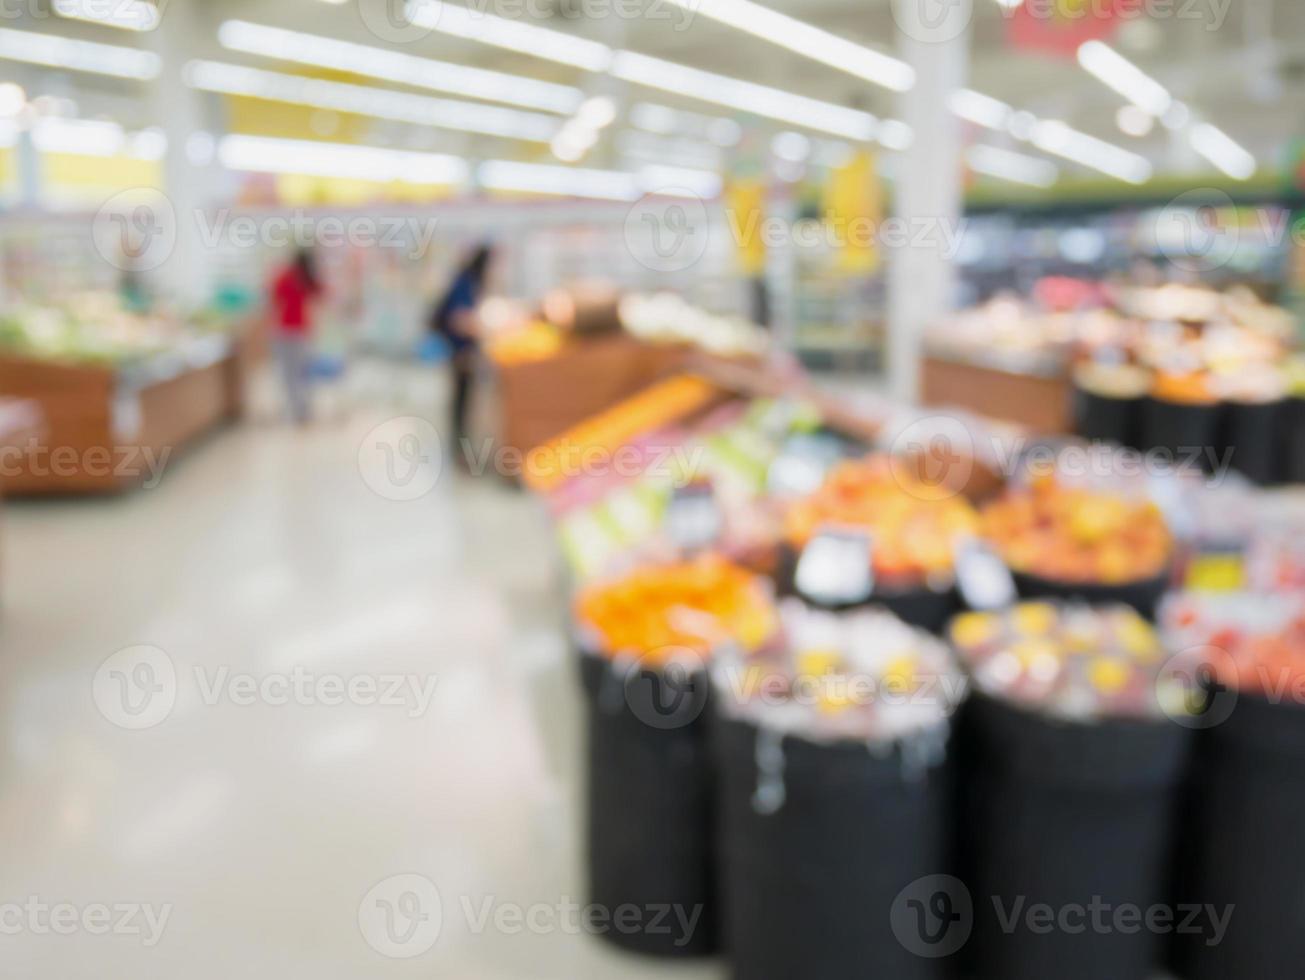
{"x":455,"y":320}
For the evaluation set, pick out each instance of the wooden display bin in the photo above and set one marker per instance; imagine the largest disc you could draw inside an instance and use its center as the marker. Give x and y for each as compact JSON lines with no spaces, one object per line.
{"x":100,"y":427}
{"x":538,"y":400}
{"x":1041,"y":401}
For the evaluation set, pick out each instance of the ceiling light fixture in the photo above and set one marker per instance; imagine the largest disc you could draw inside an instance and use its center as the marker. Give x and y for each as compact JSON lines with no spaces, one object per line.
{"x":807,"y":40}
{"x":693,"y":83}
{"x":1223,"y":151}
{"x":541,"y":178}
{"x":1059,"y":138}
{"x":514,"y":35}
{"x":760,"y":100}
{"x":1009,"y":165}
{"x":394,"y":66}
{"x":421,"y":110}
{"x":262,"y":154}
{"x":1120,"y":74}
{"x":980,"y":109}
{"x":87,"y":56}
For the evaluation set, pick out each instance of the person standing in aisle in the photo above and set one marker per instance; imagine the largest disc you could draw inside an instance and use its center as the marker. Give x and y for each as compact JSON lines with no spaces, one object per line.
{"x":455,"y":320}
{"x":292,"y":295}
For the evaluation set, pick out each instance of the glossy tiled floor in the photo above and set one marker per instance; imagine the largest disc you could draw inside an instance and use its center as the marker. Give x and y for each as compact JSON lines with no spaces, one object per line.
{"x":219,"y":781}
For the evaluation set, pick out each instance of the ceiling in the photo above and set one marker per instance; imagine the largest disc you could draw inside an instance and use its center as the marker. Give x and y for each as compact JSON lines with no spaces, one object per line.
{"x":1238,"y":63}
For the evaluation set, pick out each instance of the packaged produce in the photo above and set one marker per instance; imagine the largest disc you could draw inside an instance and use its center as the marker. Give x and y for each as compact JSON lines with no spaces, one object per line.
{"x":661,"y":610}
{"x":1252,"y":642}
{"x":1078,"y":534}
{"x":862,"y":675}
{"x":913,"y":528}
{"x":1069,"y":660}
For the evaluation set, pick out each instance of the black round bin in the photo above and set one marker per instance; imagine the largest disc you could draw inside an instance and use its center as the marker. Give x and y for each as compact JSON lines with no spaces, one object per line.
{"x":1249,"y":809}
{"x":1254,"y":439}
{"x":1181,"y":429}
{"x":811,"y":886}
{"x":1293,"y":441}
{"x":1067,"y":816}
{"x":1144,"y":595}
{"x":650,"y":813}
{"x":1106,"y":418}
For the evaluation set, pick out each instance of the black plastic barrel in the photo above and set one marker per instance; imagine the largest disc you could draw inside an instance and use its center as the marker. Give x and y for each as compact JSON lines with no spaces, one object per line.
{"x":1293,"y":441}
{"x":811,"y":887}
{"x":650,"y":809}
{"x":1248,"y":812}
{"x":1253,"y":437}
{"x":1070,"y":818}
{"x":1103,"y":418}
{"x":929,"y":609}
{"x":1185,"y":431}
{"x":1144,"y":595}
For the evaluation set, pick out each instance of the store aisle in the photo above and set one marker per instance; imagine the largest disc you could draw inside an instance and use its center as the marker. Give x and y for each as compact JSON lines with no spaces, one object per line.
{"x":248,"y":835}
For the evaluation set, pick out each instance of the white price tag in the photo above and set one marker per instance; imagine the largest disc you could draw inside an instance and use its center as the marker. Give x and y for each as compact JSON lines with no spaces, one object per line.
{"x":801,"y":465}
{"x":836,"y":567}
{"x":693,"y":518}
{"x":983,"y":578}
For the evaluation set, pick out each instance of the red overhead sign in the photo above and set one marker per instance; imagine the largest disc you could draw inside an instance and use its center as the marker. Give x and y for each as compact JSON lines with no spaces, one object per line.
{"x":1060,"y":26}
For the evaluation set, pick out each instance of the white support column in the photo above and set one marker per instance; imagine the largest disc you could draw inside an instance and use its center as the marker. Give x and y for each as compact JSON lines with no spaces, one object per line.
{"x":928,"y":191}
{"x":181,"y":111}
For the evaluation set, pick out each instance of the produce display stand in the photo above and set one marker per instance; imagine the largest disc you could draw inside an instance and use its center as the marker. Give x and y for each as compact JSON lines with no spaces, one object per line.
{"x":103,"y":419}
{"x":1039,"y":396}
{"x":539,"y":400}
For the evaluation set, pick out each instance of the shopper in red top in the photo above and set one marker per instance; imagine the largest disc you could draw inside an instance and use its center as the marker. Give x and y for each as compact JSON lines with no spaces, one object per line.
{"x":292,"y":295}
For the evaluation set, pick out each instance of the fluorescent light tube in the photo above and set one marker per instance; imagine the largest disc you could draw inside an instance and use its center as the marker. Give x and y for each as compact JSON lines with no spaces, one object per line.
{"x":539,"y":178}
{"x":760,"y":100}
{"x":680,"y":181}
{"x":514,"y":35}
{"x":394,"y":66}
{"x":808,"y":40}
{"x":1120,"y":74}
{"x":1009,"y":165}
{"x":87,"y":56}
{"x":1223,"y":151}
{"x":980,"y":109}
{"x":281,"y":156}
{"x":1054,"y":136}
{"x":421,"y":110}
